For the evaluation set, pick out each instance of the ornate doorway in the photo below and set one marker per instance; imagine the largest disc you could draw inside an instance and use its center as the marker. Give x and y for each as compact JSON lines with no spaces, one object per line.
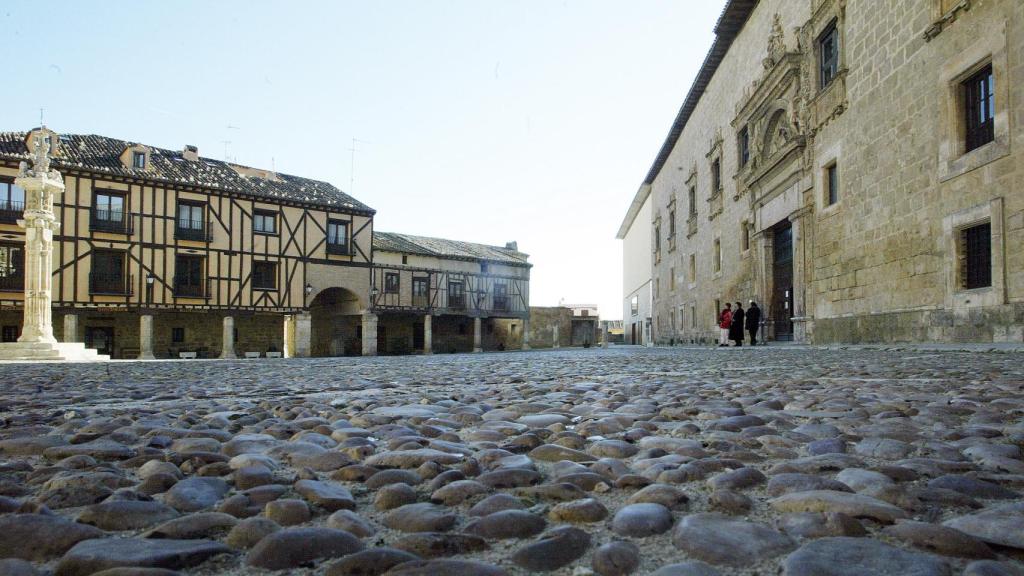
{"x":782,"y":281}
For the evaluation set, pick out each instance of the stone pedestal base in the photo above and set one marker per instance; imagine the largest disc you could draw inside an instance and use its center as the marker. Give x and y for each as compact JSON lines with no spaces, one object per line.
{"x":47,"y":352}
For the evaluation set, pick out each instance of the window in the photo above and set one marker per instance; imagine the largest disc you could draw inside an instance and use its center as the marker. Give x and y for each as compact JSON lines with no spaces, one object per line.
{"x":672,"y":223}
{"x":672,"y":279}
{"x":693,"y":317}
{"x":12,"y":202}
{"x":976,"y":257}
{"x":828,"y":55}
{"x":693,"y":268}
{"x":337,"y":237}
{"x":743,"y":146}
{"x":420,"y":292}
{"x":718,"y":255}
{"x":191,"y":223}
{"x":979,"y":109}
{"x":501,"y":296}
{"x":108,"y":272}
{"x":657,"y":240}
{"x":832,"y":184}
{"x":634,"y":306}
{"x":177,"y":335}
{"x":264,"y":275}
{"x":264,"y":221}
{"x":456,"y":295}
{"x":188,"y":276}
{"x":693,"y":201}
{"x":139,"y":160}
{"x":391,"y":280}
{"x":716,"y":176}
{"x":682,"y":318}
{"x":10,"y":334}
{"x":405,"y":258}
{"x":12,"y":263}
{"x":745,"y":236}
{"x":484,"y":268}
{"x":108,"y":213}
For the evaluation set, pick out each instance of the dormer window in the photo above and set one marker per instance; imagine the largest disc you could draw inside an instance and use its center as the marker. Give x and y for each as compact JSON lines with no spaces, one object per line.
{"x":139,"y":160}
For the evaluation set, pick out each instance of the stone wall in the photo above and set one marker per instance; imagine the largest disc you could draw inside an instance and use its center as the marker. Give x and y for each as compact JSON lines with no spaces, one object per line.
{"x":543,"y":320}
{"x":882,"y":263}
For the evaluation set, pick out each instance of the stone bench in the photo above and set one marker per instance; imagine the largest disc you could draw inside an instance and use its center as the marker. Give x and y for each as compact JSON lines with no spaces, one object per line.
{"x":274,"y":355}
{"x":187,"y":355}
{"x":252,"y":354}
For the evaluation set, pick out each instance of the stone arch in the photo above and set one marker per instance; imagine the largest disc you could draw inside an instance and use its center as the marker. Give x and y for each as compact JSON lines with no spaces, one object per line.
{"x":335,"y":319}
{"x":778,"y":131}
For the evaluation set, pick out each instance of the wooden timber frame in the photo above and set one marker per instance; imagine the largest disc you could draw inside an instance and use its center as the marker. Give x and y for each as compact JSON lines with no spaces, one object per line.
{"x":481,"y":292}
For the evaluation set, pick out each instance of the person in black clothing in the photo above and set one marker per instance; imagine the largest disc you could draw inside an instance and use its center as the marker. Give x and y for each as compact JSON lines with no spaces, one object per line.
{"x":753,"y":322}
{"x":736,"y":328}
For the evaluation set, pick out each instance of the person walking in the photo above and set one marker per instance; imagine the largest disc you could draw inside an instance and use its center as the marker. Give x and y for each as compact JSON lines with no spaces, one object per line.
{"x":736,"y":326}
{"x":753,"y":321}
{"x":724,"y":323}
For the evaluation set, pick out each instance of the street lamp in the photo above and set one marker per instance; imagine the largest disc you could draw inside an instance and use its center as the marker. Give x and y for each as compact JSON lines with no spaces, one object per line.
{"x":150,"y":279}
{"x":309,"y":288}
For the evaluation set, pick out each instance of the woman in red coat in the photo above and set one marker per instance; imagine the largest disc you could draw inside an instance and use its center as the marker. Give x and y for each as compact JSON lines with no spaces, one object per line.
{"x":724,"y":323}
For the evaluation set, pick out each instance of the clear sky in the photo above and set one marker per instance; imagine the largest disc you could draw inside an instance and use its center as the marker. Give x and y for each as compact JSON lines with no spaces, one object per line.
{"x":478,"y":120}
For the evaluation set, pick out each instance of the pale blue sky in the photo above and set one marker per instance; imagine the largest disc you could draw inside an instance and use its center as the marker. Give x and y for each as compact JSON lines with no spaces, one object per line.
{"x":481,"y":120}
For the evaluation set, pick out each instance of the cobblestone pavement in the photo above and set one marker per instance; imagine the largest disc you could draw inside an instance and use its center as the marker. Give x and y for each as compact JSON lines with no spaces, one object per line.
{"x":682,"y":462}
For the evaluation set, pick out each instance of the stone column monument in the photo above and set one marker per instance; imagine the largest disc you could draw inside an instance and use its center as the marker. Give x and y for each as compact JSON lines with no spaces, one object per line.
{"x":41,"y":185}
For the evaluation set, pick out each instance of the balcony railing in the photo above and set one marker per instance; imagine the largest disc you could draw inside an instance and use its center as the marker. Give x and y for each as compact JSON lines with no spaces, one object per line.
{"x":11,"y":279}
{"x":110,"y":284}
{"x":195,"y":230}
{"x":420,"y":301}
{"x":457,"y":301}
{"x":189,"y":288}
{"x":110,"y":221}
{"x":11,"y":211}
{"x":501,"y":303}
{"x":338,"y":249}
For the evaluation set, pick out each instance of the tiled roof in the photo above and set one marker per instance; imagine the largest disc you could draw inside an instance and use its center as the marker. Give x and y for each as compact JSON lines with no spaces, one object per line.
{"x":441,"y":248}
{"x":100,"y":154}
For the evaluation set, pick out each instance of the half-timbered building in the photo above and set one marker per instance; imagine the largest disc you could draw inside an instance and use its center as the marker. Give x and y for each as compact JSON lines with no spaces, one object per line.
{"x":436,"y":295}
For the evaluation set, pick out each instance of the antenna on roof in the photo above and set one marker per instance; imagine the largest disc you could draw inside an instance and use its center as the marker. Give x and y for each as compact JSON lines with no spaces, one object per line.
{"x":352,"y":169}
{"x":226,"y":142}
{"x":41,"y":122}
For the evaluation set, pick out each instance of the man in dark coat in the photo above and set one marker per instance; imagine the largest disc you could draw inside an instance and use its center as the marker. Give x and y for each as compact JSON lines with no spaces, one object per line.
{"x":753,"y":322}
{"x":736,"y":329}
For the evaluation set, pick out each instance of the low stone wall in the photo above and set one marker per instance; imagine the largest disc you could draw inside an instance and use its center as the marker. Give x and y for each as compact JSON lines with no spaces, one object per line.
{"x":983,"y":324}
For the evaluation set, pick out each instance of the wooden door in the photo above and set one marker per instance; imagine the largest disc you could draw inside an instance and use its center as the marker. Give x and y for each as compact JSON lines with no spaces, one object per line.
{"x":782,"y":282}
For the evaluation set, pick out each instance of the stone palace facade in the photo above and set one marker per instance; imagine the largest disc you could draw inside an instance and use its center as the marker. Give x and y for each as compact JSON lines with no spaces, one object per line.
{"x":165,"y":254}
{"x":854,"y":167}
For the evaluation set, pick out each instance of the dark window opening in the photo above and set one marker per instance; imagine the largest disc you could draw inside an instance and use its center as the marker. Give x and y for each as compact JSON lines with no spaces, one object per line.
{"x":501,"y":296}
{"x":456,"y":295}
{"x":744,"y":146}
{"x":108,"y":273}
{"x":420,"y":292}
{"x":980,"y":110}
{"x":693,"y":201}
{"x":264,"y":221}
{"x":139,"y":160}
{"x":671,"y":223}
{"x":337,"y":237}
{"x":828,"y":55}
{"x":391,"y":282}
{"x":10,"y":334}
{"x":716,"y":176}
{"x":12,"y":202}
{"x":188,"y":276}
{"x":177,"y":335}
{"x":12,"y":268}
{"x":976,"y":256}
{"x":191,"y":223}
{"x":108,"y":213}
{"x":832,"y":184}
{"x":264,"y":275}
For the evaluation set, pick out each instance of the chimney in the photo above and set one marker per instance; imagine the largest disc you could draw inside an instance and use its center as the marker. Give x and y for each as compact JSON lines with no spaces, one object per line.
{"x":190,"y":153}
{"x":513,"y":245}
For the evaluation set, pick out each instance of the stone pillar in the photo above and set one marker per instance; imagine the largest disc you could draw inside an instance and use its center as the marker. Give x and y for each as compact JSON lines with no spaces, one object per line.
{"x":146,"y":337}
{"x":289,"y":336}
{"x":554,"y":336}
{"x":526,"y":333}
{"x":302,"y":341}
{"x":228,"y":340}
{"x":477,"y":336}
{"x":604,"y":337}
{"x":41,"y":185}
{"x":800,"y":249}
{"x":71,"y":327}
{"x":428,"y":334}
{"x":369,"y":334}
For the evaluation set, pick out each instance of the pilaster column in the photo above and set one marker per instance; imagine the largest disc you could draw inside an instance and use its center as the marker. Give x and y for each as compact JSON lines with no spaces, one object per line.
{"x":526,"y":333}
{"x":428,"y":334}
{"x":369,"y":334}
{"x":554,"y":336}
{"x":302,"y":341}
{"x":477,"y":336}
{"x":604,"y":337}
{"x":146,"y":337}
{"x":228,"y":339}
{"x":71,"y":328}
